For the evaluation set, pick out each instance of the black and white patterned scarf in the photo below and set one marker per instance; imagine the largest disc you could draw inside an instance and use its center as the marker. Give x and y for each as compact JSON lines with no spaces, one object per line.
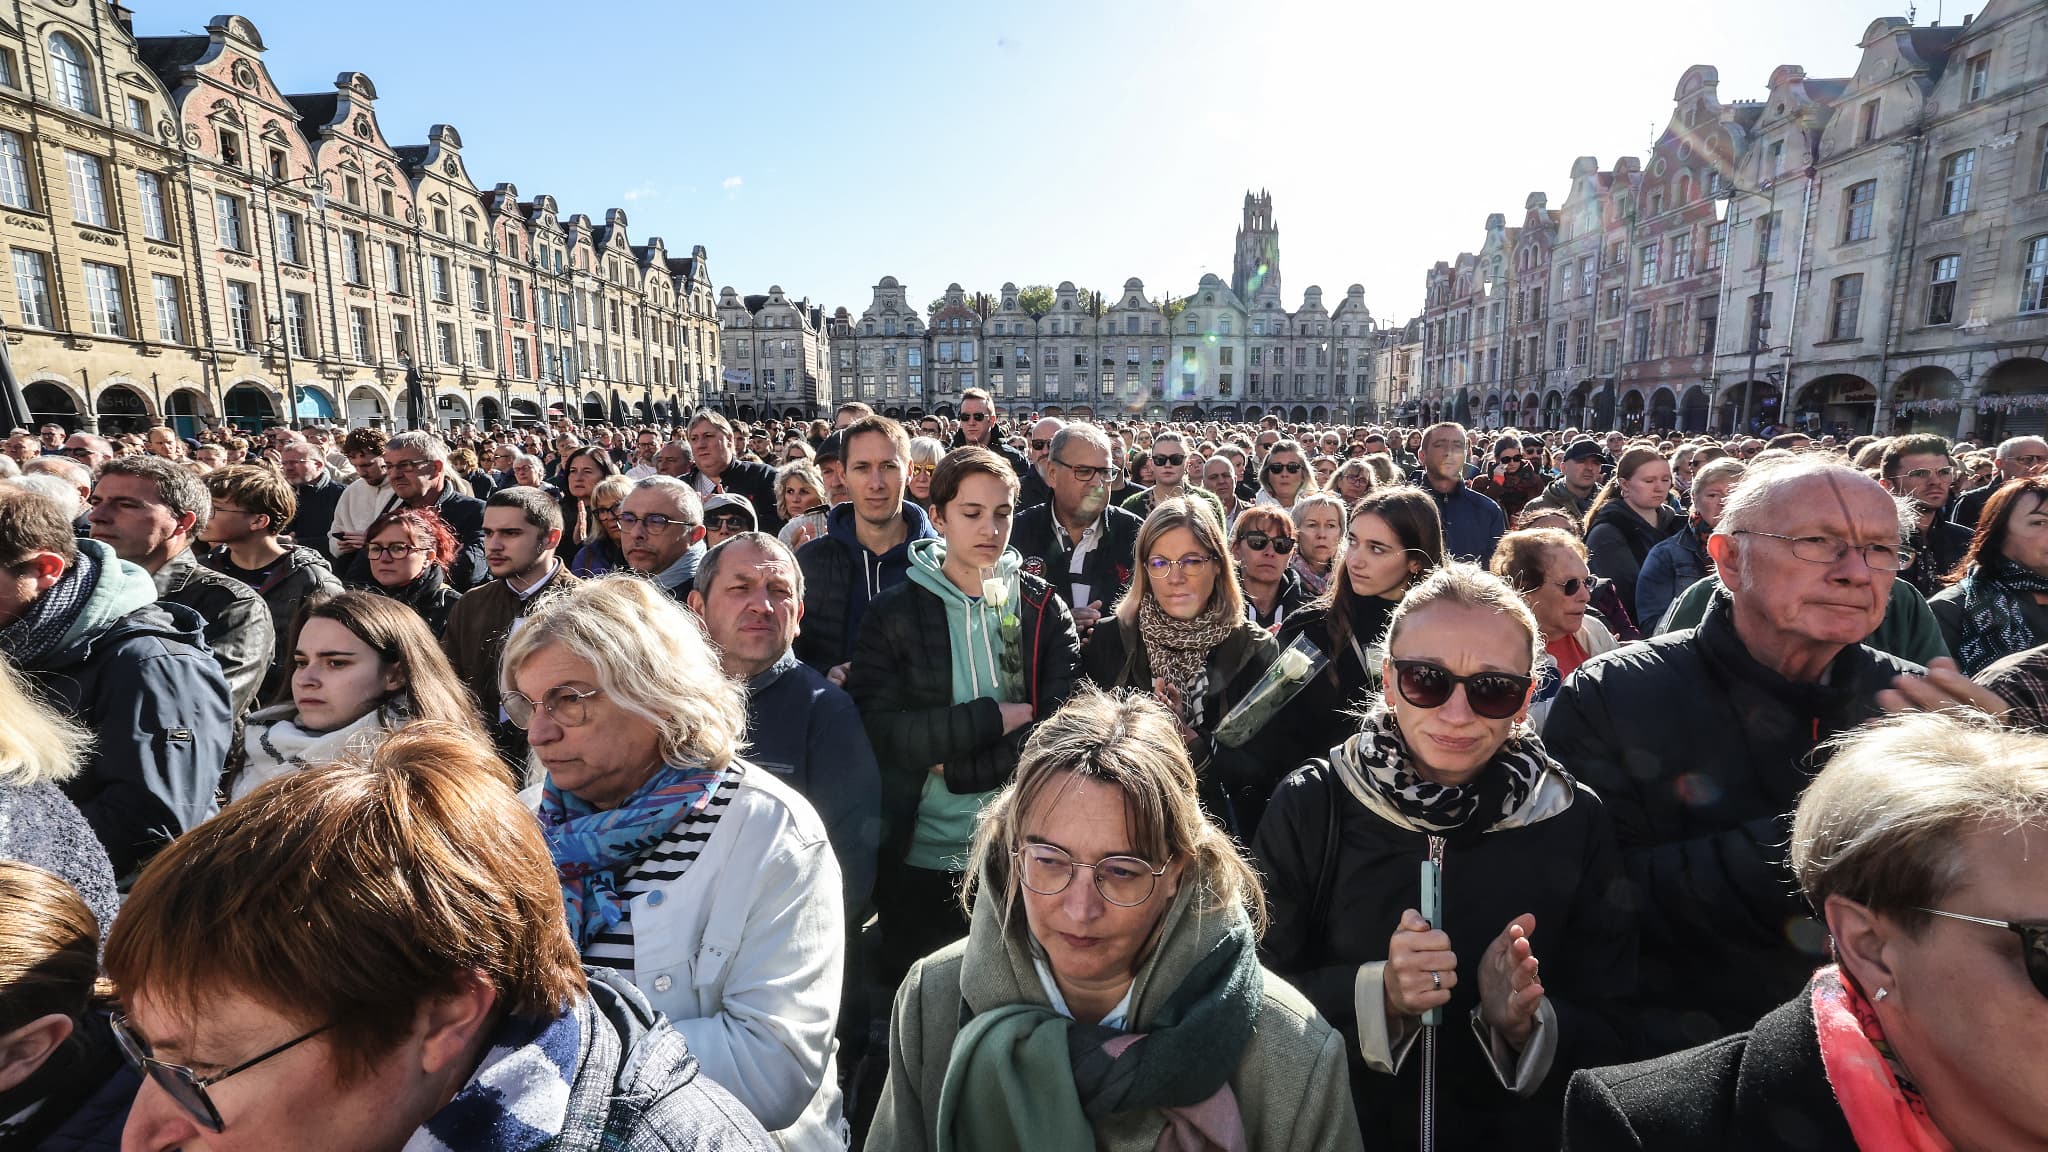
{"x":1376,"y":760}
{"x":1995,"y":625}
{"x":37,"y":633}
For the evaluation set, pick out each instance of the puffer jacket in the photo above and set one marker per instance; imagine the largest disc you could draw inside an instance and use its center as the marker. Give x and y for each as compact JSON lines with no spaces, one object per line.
{"x":902,"y":680}
{"x":1699,"y":753}
{"x":85,"y":1089}
{"x":841,"y":579}
{"x":1234,"y":782}
{"x":1618,"y":540}
{"x":299,"y":574}
{"x":1672,"y":566}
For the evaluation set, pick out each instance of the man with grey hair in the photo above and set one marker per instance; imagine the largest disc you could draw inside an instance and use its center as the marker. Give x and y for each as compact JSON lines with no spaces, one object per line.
{"x":1698,"y":742}
{"x":148,"y":510}
{"x":73,"y":475}
{"x":416,"y":466}
{"x":1076,"y":541}
{"x":2018,"y":458}
{"x":661,"y":532}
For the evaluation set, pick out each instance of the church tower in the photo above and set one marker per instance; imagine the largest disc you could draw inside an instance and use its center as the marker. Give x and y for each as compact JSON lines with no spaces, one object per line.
{"x":1256,"y":271}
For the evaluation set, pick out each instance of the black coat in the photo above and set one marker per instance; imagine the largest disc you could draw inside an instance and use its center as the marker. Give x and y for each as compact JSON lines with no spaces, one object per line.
{"x":464,"y":516}
{"x":1291,"y":598}
{"x":238,"y":628}
{"x":1618,"y":540}
{"x":1762,"y":1091}
{"x":902,"y":680}
{"x":1323,"y":714}
{"x":754,"y":481}
{"x":300,"y":573}
{"x":1564,"y":868}
{"x":1936,"y":552}
{"x":429,"y":596}
{"x":1700,"y":754}
{"x":1970,"y":507}
{"x":1106,"y":570}
{"x":835,"y":598}
{"x":314,"y":519}
{"x":1234,"y":782}
{"x":998,"y":445}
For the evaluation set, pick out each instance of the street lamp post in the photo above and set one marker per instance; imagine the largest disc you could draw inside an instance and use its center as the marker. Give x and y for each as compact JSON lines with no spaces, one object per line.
{"x":1759,"y":316}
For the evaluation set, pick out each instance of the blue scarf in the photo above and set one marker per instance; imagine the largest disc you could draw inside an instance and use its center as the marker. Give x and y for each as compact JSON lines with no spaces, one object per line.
{"x":518,"y":1098}
{"x":593,"y":848}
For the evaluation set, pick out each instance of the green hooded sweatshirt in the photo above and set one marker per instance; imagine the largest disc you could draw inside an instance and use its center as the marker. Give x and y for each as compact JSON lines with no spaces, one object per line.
{"x":945,"y":819}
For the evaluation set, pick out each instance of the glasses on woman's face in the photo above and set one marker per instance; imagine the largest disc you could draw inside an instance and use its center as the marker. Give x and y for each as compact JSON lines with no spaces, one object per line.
{"x":180,"y":1083}
{"x":1169,"y":460}
{"x":1193,"y":564}
{"x":2033,"y":936}
{"x":1259,"y":541}
{"x":391,"y":551}
{"x":607,"y":511}
{"x":1571,"y":587}
{"x":1124,"y":881}
{"x":1427,"y":684}
{"x":924,"y":470}
{"x":565,"y":704}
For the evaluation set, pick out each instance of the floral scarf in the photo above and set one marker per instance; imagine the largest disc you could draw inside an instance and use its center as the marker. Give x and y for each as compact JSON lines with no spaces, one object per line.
{"x":1312,"y":583}
{"x":1995,"y":625}
{"x":1883,"y":1107}
{"x":593,"y":848}
{"x":1376,"y":765}
{"x":1179,"y":650}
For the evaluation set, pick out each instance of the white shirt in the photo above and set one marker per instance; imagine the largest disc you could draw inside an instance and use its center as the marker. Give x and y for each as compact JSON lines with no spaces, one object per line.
{"x":1078,"y":558}
{"x":1119,"y":1016}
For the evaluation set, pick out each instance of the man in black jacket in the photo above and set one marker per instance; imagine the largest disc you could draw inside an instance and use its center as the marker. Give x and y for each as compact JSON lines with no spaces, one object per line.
{"x":718,"y":469}
{"x":1700,"y":741}
{"x":978,"y":427}
{"x":866,"y":545}
{"x":1076,"y":542}
{"x":416,"y":464}
{"x":316,"y":494}
{"x":86,"y":628}
{"x":1920,"y":471}
{"x":148,"y":510}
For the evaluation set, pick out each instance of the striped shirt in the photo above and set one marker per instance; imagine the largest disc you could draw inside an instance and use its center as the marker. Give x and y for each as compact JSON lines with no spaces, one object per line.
{"x":665,"y":864}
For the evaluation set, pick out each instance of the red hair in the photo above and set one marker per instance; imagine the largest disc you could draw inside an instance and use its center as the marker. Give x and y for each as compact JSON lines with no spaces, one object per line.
{"x":440,"y":541}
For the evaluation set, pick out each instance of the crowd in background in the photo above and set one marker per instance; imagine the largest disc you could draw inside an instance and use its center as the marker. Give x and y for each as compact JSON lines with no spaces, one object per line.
{"x":934,"y":784}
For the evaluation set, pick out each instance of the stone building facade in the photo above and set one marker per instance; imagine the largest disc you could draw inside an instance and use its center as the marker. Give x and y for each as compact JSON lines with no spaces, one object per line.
{"x":191,"y":243}
{"x":1844,"y":255}
{"x":777,"y":356}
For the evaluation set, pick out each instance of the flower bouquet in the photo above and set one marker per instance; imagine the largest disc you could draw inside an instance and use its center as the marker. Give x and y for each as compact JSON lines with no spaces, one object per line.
{"x":1296,"y":666}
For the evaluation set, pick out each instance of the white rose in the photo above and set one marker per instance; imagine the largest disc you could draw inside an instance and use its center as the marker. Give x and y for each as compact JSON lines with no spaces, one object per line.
{"x":1294,"y":665}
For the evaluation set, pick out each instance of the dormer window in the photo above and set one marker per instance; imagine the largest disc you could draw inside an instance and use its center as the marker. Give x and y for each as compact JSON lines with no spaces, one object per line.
{"x":230,"y":148}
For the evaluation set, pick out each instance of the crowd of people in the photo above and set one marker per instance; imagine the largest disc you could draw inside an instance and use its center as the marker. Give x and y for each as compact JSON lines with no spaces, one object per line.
{"x":1087,"y":783}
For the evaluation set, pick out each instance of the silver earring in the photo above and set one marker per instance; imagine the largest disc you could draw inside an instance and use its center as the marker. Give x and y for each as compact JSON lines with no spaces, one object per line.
{"x":1881,"y":993}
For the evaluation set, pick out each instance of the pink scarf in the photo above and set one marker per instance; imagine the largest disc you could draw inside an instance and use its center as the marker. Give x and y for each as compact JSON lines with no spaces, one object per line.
{"x":1214,"y":1125}
{"x":1883,"y":1108}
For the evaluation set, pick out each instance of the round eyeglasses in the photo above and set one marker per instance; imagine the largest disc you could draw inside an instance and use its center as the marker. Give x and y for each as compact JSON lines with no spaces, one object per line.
{"x":1124,"y":881}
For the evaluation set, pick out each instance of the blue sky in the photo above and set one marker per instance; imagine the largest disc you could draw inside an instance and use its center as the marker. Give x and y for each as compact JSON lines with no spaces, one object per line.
{"x":821,"y":147}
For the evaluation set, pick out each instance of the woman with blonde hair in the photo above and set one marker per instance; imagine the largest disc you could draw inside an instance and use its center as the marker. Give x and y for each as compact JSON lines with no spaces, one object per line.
{"x":1109,"y":994}
{"x":604,"y":551}
{"x":800,"y":501}
{"x":40,"y":749}
{"x":1182,"y":633}
{"x":925,"y":454}
{"x":700,"y":878}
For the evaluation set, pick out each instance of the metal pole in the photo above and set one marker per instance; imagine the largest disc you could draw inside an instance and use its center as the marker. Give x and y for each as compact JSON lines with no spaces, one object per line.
{"x":1759,"y":318}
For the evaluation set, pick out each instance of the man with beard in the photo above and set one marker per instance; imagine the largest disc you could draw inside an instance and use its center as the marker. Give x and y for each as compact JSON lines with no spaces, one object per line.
{"x":1920,"y":471}
{"x":1077,"y":542}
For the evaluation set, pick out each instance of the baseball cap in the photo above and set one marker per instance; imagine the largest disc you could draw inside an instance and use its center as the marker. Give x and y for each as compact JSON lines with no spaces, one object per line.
{"x":731,"y":502}
{"x":1581,"y":449}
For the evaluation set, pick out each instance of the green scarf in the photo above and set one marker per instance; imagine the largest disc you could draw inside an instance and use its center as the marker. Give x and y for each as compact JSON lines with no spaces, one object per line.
{"x":1008,"y":1077}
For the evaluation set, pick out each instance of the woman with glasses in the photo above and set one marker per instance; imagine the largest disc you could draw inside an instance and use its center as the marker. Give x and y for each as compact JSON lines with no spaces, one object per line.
{"x":1997,"y":603}
{"x":1262,"y":552}
{"x":529,"y":472}
{"x":1912,"y":848}
{"x":1319,"y":529}
{"x":1677,"y":561}
{"x":952,"y":669}
{"x":1353,"y":479}
{"x":372,"y":954}
{"x":362,"y":666}
{"x":1525,"y":969}
{"x":925,"y":454}
{"x":605,"y":551}
{"x":1109,"y":994}
{"x":1547,"y":566}
{"x":701,"y":879}
{"x":409,"y":551}
{"x":1285,"y":475}
{"x":1394,"y":539}
{"x":1182,"y":633}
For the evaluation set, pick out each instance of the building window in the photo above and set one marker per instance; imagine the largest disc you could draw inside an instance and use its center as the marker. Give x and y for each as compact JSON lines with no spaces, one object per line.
{"x":138,"y":115}
{"x":385,"y":203}
{"x":1674,"y":330}
{"x":1717,"y":247}
{"x":1977,"y":77}
{"x":1581,"y":344}
{"x":1859,"y":204}
{"x":230,"y":148}
{"x":277,"y":163}
{"x":394,"y":269}
{"x":479,"y":295}
{"x":1563,"y":345}
{"x":1646,"y":266}
{"x":1639,"y":335}
{"x":1706,"y":327}
{"x":1681,"y":256}
{"x":88,"y":189}
{"x":437,"y":271}
{"x":352,"y":257}
{"x":14,"y":185}
{"x":242,"y":316}
{"x":170,"y":315}
{"x":2041,"y":163}
{"x":469,"y":232}
{"x":32,"y":288}
{"x":1868,"y":132}
{"x":401,"y":337}
{"x":1955,"y":182}
{"x":227,"y":218}
{"x":521,"y":364}
{"x":1767,"y":241}
{"x":298,"y":309}
{"x":288,"y":247}
{"x":8,"y":75}
{"x":1941,"y":289}
{"x":444,"y":343}
{"x":484,"y":359}
{"x":352,"y":190}
{"x":441,"y":221}
{"x":515,"y":298}
{"x":359,"y":333}
{"x":71,"y":76}
{"x":149,"y":193}
{"x":2034,"y":276}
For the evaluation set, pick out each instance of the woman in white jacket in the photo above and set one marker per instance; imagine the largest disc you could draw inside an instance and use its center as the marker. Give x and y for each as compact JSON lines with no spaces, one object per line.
{"x":703,"y":880}
{"x":1548,"y":567}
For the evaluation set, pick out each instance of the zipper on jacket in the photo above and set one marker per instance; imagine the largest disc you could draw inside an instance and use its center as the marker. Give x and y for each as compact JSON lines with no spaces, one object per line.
{"x":1429,"y":1031}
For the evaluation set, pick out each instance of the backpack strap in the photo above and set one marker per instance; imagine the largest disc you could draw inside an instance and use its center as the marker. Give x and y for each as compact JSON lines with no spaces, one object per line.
{"x":1319,"y":905}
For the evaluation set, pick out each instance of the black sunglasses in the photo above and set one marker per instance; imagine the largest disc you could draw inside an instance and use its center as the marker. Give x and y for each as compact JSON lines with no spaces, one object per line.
{"x":1571,"y":587}
{"x":728,"y":522}
{"x":1040,"y":445}
{"x":2033,"y":942}
{"x":1173,"y":461}
{"x":1289,"y":467}
{"x":180,"y":1083}
{"x":1494,"y":695}
{"x":1257,"y":541}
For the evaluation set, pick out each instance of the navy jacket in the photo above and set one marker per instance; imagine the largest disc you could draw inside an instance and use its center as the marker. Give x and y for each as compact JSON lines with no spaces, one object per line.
{"x":754,"y":481}
{"x":1473,"y":524}
{"x":840,"y":577}
{"x":806,"y":730}
{"x":311,"y":524}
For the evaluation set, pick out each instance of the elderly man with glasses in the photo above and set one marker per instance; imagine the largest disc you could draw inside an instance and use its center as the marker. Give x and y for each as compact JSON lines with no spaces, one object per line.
{"x":1077,"y":541}
{"x":661,"y":531}
{"x":2018,"y":458}
{"x":416,"y":471}
{"x":1699,"y":741}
